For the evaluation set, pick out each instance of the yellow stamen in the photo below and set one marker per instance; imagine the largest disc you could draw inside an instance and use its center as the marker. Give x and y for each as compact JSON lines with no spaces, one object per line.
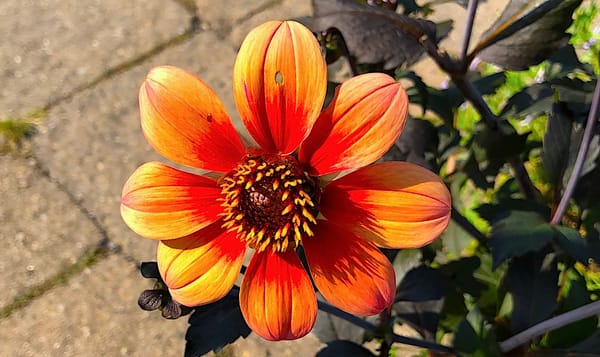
{"x":284,"y":230}
{"x":307,"y":229}
{"x":308,"y":215}
{"x":287,"y":209}
{"x":265,"y":198}
{"x":248,"y":184}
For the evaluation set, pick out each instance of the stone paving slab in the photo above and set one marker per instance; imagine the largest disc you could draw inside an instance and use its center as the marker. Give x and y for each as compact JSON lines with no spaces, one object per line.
{"x":90,"y":144}
{"x":95,"y":314}
{"x":93,"y":142}
{"x":42,"y":231}
{"x":283,"y":10}
{"x":254,"y":346}
{"x":221,"y":16}
{"x":48,"y":48}
{"x":230,"y":20}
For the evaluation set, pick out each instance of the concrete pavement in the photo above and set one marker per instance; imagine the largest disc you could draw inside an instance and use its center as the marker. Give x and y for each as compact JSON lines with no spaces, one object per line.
{"x":68,"y":264}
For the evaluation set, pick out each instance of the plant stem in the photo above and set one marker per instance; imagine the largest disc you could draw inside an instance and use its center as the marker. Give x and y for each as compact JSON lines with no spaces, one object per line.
{"x":471,"y":10}
{"x":457,"y":73}
{"x":385,"y":324}
{"x":579,"y":161}
{"x":323,"y":306}
{"x":465,"y":224}
{"x":326,"y":307}
{"x":549,"y":325}
{"x":527,"y":187}
{"x":474,"y":96}
{"x":491,"y":120}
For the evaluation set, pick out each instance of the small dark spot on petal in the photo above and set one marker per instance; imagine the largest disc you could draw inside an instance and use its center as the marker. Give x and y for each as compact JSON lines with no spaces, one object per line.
{"x":278,"y":77}
{"x":209,"y":118}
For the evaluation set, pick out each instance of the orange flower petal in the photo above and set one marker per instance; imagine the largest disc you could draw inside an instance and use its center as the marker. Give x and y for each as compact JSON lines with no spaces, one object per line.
{"x":360,"y":124}
{"x":350,"y":272}
{"x":184,"y":120}
{"x":161,"y":202}
{"x":279,"y":84}
{"x":201,"y":268}
{"x":402,"y":205}
{"x":277,"y":298}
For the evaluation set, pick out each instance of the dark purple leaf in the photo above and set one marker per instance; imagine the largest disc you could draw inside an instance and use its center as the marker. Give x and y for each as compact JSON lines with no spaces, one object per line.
{"x":214,"y":326}
{"x":149,"y":270}
{"x":518,"y":227}
{"x":374,"y":35}
{"x":574,"y":294}
{"x":569,"y":240}
{"x":557,"y":140}
{"x":412,"y":287}
{"x":423,"y":316}
{"x":527,"y":32}
{"x":460,"y":273}
{"x":475,"y":336}
{"x":417,"y":144}
{"x":532,"y":280}
{"x":344,"y":348}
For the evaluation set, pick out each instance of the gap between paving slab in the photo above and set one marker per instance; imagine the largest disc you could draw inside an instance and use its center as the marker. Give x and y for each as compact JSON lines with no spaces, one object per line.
{"x":43,"y":233}
{"x":50,"y":47}
{"x":94,"y":314}
{"x":93,"y":141}
{"x":72,"y":125}
{"x":42,"y":285}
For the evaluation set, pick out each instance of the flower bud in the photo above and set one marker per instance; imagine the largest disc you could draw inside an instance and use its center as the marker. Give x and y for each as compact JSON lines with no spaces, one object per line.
{"x":151,"y":300}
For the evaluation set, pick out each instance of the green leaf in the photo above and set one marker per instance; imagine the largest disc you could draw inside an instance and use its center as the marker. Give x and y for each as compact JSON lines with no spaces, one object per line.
{"x":344,"y":348}
{"x":475,"y":336}
{"x":572,"y":243}
{"x":532,"y":280}
{"x":214,"y":326}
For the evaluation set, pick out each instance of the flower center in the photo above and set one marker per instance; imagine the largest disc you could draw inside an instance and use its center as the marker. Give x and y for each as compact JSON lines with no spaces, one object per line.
{"x":270,"y":201}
